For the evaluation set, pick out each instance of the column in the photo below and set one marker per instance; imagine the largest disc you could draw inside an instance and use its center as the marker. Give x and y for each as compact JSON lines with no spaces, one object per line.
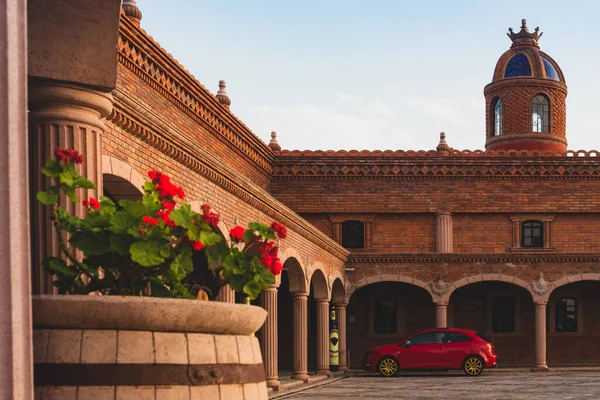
{"x":340,"y":310}
{"x":62,"y":115}
{"x":268,"y":336}
{"x":441,"y":314}
{"x":322,"y":336}
{"x":443,"y":232}
{"x":226,"y":294}
{"x":540,"y":338}
{"x":300,"y":335}
{"x":16,"y":358}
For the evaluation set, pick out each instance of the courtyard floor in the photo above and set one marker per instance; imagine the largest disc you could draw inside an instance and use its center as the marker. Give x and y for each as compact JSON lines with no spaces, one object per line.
{"x":490,"y":385}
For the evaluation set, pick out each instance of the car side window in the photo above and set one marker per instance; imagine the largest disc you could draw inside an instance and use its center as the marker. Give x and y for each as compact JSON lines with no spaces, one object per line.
{"x":455,"y":337}
{"x":427,"y":338}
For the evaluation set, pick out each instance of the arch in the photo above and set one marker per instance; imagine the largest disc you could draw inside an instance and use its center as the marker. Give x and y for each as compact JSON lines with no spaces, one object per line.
{"x":292,"y":262}
{"x":540,"y":113}
{"x":319,"y":285}
{"x":388,"y":278}
{"x":338,"y":291}
{"x":117,"y":167}
{"x":570,"y":279}
{"x":488,"y":278}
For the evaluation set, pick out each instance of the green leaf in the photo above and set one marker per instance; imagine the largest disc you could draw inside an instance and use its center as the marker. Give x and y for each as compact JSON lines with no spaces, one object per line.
{"x":165,"y":252}
{"x":151,"y":201}
{"x":209,"y":238}
{"x":92,"y":243}
{"x":52,"y":169}
{"x":135,"y":208}
{"x":252,"y":289}
{"x":182,"y":264}
{"x":47,"y":198}
{"x":69,"y":191}
{"x":81,"y":182}
{"x":149,"y":187}
{"x":67,"y":179}
{"x":183,"y":216}
{"x":146,"y":254}
{"x":120,"y":243}
{"x":57,"y":266}
{"x":96,"y":221}
{"x":107,"y":206}
{"x":121,"y":221}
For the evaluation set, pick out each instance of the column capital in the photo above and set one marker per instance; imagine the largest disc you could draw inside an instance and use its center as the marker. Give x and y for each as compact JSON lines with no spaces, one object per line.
{"x":441,"y":303}
{"x":340,"y":305}
{"x":322,"y":301}
{"x":540,"y":303}
{"x":273,"y":287}
{"x":299,"y":294}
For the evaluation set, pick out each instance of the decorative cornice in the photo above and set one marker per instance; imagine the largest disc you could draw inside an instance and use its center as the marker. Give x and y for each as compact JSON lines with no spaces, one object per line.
{"x":139,"y":53}
{"x":582,"y":165}
{"x":455,"y":258}
{"x":127,"y":114}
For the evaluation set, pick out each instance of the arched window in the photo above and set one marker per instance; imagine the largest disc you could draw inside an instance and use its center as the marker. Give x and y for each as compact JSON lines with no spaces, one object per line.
{"x":497,"y":128}
{"x":566,"y":315}
{"x":503,"y":315}
{"x":532,"y":234}
{"x":385,"y":316}
{"x":541,"y":114}
{"x":353,"y":234}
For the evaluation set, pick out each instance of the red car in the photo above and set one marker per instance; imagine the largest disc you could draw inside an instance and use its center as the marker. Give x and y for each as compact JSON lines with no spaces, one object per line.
{"x":442,"y":349}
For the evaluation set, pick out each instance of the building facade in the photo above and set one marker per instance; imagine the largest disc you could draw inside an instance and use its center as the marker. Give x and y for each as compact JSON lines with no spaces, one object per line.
{"x":502,"y":241}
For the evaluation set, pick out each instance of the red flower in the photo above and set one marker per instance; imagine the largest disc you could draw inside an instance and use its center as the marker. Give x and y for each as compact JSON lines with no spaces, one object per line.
{"x":205,"y":209}
{"x":154,"y":175}
{"x":166,"y":217}
{"x":279,"y":229}
{"x":168,"y":205}
{"x":237,"y":233}
{"x":197,"y":245}
{"x":211,"y":217}
{"x":276,"y":266}
{"x":68,"y":155}
{"x":179,"y":191}
{"x":92,"y":202}
{"x":149,"y":220}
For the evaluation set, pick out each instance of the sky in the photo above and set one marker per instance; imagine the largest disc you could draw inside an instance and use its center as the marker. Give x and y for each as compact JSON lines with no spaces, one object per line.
{"x":345,"y":74}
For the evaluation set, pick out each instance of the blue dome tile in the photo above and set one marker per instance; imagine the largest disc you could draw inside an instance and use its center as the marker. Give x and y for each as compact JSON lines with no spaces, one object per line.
{"x":551,"y":72}
{"x":518,"y":66}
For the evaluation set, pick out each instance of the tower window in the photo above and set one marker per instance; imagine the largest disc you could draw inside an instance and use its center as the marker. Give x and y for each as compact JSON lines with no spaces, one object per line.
{"x":566,"y":315}
{"x":532,"y":234}
{"x":541,"y":114}
{"x":353,"y":235}
{"x":497,"y":129}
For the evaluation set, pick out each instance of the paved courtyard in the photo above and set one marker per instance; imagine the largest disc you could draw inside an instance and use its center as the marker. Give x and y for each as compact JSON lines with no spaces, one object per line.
{"x":519,"y":385}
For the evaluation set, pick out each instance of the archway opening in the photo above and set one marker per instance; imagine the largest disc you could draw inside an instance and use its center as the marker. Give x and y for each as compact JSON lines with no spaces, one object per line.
{"x":501,"y":311}
{"x":384,"y":313}
{"x":117,"y":188}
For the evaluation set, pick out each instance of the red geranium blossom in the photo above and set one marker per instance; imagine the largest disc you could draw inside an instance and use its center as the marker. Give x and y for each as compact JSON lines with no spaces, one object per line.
{"x":279,"y":229}
{"x":68,"y":155}
{"x":166,"y":217}
{"x":236,"y":233}
{"x":209,"y":216}
{"x":92,"y":202}
{"x":149,"y":220}
{"x":197,"y":245}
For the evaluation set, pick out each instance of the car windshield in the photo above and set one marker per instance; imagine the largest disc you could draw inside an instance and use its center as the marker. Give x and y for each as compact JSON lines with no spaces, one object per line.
{"x":481,"y":335}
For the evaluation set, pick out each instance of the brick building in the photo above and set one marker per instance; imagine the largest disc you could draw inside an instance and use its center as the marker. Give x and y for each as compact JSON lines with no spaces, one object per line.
{"x":502,"y":240}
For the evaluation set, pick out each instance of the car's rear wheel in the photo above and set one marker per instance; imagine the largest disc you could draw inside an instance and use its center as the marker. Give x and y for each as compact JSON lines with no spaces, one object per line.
{"x":388,"y":366}
{"x":473,"y":366}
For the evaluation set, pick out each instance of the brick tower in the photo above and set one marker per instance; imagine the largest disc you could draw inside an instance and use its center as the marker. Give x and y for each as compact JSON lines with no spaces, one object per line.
{"x":525,"y":103}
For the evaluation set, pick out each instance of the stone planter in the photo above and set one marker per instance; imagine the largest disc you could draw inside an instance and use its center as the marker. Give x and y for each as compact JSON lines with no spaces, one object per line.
{"x":109,"y":347}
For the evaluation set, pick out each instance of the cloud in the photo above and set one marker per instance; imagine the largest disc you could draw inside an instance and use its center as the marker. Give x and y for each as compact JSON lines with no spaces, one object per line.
{"x":446,"y":109}
{"x":347,"y":97}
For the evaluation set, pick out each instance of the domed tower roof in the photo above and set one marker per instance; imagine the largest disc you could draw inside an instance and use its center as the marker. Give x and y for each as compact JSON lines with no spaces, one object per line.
{"x":525,"y":103}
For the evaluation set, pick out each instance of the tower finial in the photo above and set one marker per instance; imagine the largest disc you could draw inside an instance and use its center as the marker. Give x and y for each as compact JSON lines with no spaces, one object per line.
{"x":524,"y":36}
{"x":442,"y":148}
{"x":222,"y":94}
{"x":273,"y":143}
{"x":132,"y":11}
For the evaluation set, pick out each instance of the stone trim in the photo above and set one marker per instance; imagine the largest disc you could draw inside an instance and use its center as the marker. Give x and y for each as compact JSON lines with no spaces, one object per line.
{"x":139,"y":53}
{"x":127,"y":114}
{"x":517,"y":219}
{"x":49,"y":374}
{"x":471,"y":258}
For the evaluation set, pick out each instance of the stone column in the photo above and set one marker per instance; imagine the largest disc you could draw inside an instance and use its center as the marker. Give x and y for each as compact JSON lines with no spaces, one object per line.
{"x":268,"y":336}
{"x":443,"y":232}
{"x":226,"y":294}
{"x":300,"y":335}
{"x":16,"y":359}
{"x":540,"y":338}
{"x":322,"y":336}
{"x":62,"y":115}
{"x":340,"y":310}
{"x":441,"y":314}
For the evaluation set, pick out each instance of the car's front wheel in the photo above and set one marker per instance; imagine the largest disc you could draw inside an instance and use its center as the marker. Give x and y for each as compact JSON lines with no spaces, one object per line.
{"x":473,"y":366}
{"x":388,"y":366}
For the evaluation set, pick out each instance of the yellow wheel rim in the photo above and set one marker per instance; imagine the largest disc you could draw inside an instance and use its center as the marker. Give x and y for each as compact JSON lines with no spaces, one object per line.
{"x":473,"y":366}
{"x":388,"y":367}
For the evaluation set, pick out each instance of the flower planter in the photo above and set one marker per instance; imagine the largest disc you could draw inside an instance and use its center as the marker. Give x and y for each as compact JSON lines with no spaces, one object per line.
{"x":112,"y":347}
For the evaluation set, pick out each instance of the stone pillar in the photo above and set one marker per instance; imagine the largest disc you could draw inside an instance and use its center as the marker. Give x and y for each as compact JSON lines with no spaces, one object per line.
{"x":322,"y":336}
{"x":16,"y":359}
{"x":441,"y":314}
{"x":62,"y":115}
{"x":300,"y":335}
{"x":340,"y":310}
{"x":540,"y":338}
{"x":268,"y":336}
{"x":226,"y":294}
{"x":443,"y":232}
